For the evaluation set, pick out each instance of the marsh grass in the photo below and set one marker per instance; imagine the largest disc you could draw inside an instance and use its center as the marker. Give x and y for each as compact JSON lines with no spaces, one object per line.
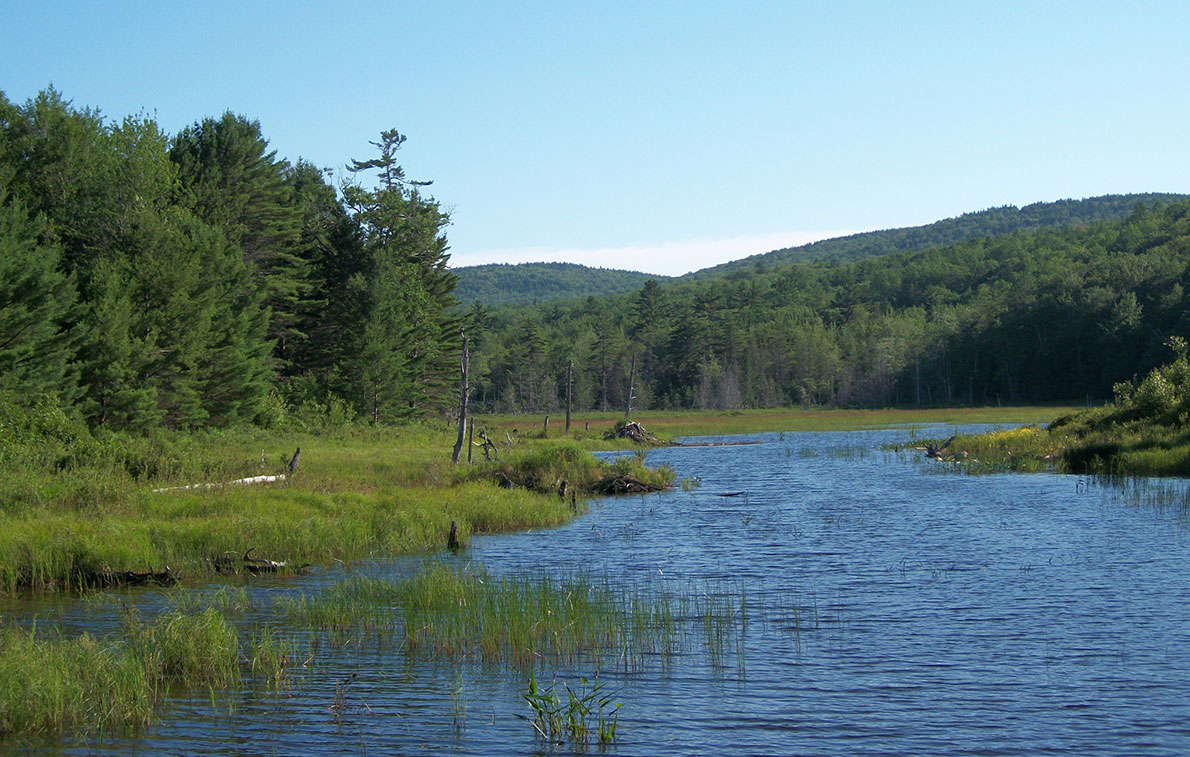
{"x":370,"y":493}
{"x":51,"y":684}
{"x":560,"y":466}
{"x":445,"y":612}
{"x":673,"y":424}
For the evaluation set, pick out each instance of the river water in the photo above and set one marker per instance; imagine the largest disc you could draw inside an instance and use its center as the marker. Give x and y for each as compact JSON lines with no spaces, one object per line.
{"x":894,"y":607}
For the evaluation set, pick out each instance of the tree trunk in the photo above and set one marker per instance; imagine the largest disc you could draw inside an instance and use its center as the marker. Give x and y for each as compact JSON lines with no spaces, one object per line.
{"x":631,"y":378}
{"x":569,"y":381}
{"x":462,"y":406}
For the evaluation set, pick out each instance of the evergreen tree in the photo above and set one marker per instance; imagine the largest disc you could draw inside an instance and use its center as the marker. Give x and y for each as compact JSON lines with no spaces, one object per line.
{"x":37,"y":313}
{"x":406,"y":340}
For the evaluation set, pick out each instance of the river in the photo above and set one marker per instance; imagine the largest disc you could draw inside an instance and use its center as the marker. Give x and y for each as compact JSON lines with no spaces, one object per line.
{"x":894,"y":607}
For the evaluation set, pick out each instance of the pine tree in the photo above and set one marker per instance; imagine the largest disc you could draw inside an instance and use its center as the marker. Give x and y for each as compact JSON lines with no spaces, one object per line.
{"x":37,"y":313}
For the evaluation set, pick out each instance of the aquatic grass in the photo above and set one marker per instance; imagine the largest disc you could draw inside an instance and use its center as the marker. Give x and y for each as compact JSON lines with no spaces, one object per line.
{"x":566,"y":467}
{"x":51,"y":684}
{"x":446,"y":612}
{"x":269,"y":657}
{"x":574,"y":718}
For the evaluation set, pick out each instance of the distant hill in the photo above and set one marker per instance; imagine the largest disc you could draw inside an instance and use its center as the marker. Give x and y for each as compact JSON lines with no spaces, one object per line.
{"x":505,"y":284}
{"x":984,"y":223}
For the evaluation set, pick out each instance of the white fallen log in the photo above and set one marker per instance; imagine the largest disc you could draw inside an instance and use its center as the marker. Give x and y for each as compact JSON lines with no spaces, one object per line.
{"x":237,"y":482}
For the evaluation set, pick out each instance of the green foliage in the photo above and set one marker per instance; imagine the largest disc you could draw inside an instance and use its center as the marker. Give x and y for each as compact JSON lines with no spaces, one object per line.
{"x":1144,"y":432}
{"x":37,"y":311}
{"x":500,"y":284}
{"x":992,"y":222}
{"x":1046,"y":316}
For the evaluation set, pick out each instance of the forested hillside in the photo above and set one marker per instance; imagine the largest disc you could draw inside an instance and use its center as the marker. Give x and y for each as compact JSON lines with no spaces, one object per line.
{"x":149,"y":279}
{"x":503,"y":284}
{"x":198,"y":279}
{"x":985,"y":223}
{"x":1023,"y":317}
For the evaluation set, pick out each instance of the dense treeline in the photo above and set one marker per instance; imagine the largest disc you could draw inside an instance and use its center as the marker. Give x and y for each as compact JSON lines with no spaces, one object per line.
{"x":503,"y":284}
{"x":984,"y":223}
{"x":198,"y":279}
{"x":1024,"y":317}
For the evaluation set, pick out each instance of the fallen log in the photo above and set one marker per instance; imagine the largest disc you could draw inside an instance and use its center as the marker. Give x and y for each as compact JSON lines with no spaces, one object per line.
{"x":258,"y":565}
{"x":237,"y":482}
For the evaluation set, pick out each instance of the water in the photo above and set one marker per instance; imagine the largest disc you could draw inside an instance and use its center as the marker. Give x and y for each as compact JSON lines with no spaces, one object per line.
{"x":892,"y":610}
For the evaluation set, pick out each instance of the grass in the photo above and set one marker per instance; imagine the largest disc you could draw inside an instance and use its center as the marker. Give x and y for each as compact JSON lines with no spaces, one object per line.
{"x":450,"y":613}
{"x":674,"y":424}
{"x":576,"y":717}
{"x":50,"y":684}
{"x":360,"y":493}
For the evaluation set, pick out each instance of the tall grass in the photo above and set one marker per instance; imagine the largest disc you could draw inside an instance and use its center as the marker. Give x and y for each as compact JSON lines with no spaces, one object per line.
{"x":51,"y":684}
{"x":370,"y":492}
{"x":445,"y":612}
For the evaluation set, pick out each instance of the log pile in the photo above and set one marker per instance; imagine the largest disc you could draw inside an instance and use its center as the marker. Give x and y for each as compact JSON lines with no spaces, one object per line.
{"x":636,"y":432}
{"x":620,"y":484}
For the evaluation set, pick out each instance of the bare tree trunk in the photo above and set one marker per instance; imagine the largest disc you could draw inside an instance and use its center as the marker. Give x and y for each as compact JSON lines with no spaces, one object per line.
{"x":631,"y":378}
{"x":462,"y":404}
{"x":470,"y":438}
{"x":569,"y":380}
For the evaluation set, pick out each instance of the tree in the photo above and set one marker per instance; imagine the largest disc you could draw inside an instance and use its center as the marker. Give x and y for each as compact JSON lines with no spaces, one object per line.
{"x":235,"y":183}
{"x":407,"y":342}
{"x":38,"y":313}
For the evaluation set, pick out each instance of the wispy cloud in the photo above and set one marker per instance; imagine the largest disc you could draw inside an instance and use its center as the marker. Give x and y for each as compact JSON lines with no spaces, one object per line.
{"x":667,"y":258}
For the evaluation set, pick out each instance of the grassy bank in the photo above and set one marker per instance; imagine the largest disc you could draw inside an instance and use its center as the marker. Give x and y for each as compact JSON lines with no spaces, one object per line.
{"x":674,"y":424}
{"x":1144,"y":431}
{"x":78,"y":511}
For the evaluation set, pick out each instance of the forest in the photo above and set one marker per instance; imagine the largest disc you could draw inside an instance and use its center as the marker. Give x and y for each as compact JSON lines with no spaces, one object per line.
{"x":505,"y":284}
{"x":198,"y":279}
{"x":1025,"y":317}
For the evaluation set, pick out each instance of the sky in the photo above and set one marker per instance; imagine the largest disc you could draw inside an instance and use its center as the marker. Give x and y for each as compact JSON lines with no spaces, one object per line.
{"x":655,"y":136}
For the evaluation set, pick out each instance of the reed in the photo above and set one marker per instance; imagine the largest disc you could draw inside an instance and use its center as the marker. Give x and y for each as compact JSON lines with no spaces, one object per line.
{"x":575,"y":718}
{"x":450,"y":613}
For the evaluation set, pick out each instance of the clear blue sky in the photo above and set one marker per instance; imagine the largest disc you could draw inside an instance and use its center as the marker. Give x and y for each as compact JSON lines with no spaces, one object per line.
{"x":658,"y":136}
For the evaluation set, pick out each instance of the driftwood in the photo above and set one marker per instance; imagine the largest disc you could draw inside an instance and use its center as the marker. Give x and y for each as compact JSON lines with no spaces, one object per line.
{"x":731,"y":494}
{"x":109,"y":578}
{"x":226,"y":563}
{"x":488,"y":446}
{"x":237,"y":482}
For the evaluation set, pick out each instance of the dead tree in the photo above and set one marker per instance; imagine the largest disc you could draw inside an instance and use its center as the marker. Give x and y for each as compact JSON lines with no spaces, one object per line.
{"x":462,"y":405}
{"x":470,"y":438}
{"x":631,"y":378}
{"x":569,"y":381}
